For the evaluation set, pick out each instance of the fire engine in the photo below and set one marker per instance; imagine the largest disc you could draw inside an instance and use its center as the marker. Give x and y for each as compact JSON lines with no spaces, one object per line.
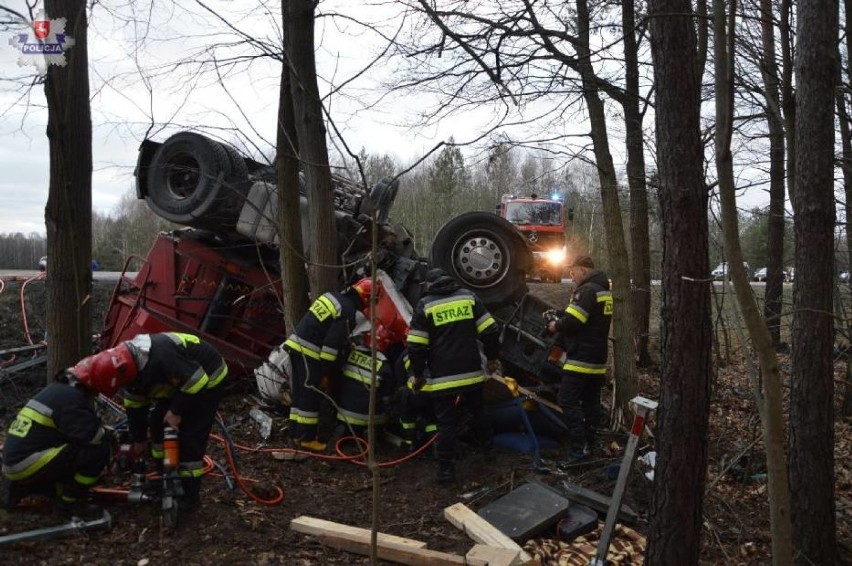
{"x":542,"y":223}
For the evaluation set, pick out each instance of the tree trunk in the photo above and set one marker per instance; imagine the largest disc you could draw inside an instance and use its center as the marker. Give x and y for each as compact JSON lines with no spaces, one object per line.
{"x":294,"y":277}
{"x":812,"y":374}
{"x":768,"y":388}
{"x":68,"y":214}
{"x":846,"y":141}
{"x":622,"y":320}
{"x":676,"y":509}
{"x":640,"y":265}
{"x":774,"y":292}
{"x":310,"y":129}
{"x":788,"y":99}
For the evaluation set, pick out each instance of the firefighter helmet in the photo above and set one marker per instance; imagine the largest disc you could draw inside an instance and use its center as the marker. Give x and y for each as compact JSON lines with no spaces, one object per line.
{"x":106,"y":371}
{"x":363,"y":288}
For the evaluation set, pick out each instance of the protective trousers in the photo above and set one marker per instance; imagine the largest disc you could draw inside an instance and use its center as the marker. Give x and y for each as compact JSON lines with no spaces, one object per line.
{"x":580,"y":399}
{"x":305,"y":408}
{"x":70,"y":474}
{"x":449,"y":413}
{"x":416,"y":418}
{"x":195,"y":426}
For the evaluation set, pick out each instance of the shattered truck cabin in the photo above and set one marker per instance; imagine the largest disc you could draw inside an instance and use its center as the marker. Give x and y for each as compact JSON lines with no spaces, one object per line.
{"x":220,"y":277}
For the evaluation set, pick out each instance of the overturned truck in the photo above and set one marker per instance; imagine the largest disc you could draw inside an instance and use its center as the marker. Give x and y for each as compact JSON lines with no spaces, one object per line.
{"x":220,"y":277}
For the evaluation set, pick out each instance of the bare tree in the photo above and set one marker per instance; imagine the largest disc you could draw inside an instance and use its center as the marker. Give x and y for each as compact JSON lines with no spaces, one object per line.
{"x":767,"y":389}
{"x":310,"y":129}
{"x":68,"y":214}
{"x":640,"y":257}
{"x":812,"y":376}
{"x":294,"y":275}
{"x":775,"y":265}
{"x":846,"y":143}
{"x":676,"y":511}
{"x":625,"y":363}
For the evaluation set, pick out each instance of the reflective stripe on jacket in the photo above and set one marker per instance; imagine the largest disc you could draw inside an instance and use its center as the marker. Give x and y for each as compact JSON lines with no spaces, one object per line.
{"x":57,"y":416}
{"x":446,"y":331}
{"x":584,"y":328}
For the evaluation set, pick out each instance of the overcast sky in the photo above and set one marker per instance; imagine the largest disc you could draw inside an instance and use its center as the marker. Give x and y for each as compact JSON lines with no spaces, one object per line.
{"x":123,"y":108}
{"x":243,"y":110}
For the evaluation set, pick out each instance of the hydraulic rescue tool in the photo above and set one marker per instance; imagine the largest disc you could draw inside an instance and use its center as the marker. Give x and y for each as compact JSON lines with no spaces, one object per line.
{"x":165,"y":488}
{"x":76,"y":525}
{"x":172,"y":487}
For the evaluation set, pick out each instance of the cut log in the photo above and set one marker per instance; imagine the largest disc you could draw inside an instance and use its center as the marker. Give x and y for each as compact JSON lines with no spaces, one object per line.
{"x":481,"y":531}
{"x":389,"y":547}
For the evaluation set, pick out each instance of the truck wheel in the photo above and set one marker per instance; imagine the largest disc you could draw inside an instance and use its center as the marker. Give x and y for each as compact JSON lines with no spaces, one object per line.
{"x":486,"y":254}
{"x":191,"y":181}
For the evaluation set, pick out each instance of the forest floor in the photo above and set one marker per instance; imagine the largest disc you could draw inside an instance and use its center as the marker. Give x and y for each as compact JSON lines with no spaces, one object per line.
{"x":231,"y":527}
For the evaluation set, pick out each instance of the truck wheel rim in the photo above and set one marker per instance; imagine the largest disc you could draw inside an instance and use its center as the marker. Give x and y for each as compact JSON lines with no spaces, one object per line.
{"x":480,"y":259}
{"x":182,"y":175}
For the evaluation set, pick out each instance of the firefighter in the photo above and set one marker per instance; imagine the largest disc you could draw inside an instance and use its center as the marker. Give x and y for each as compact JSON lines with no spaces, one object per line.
{"x":583,"y":330}
{"x":169,"y":378}
{"x":447,"y":328}
{"x":56,"y":446}
{"x":353,"y":404}
{"x":315,"y":348}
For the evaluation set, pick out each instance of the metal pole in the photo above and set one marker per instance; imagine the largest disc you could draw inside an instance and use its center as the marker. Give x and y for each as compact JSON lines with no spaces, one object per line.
{"x":642,"y":406}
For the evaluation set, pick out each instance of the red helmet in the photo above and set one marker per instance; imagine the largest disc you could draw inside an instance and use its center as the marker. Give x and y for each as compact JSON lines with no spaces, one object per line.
{"x":364,"y":287}
{"x":107,"y":371}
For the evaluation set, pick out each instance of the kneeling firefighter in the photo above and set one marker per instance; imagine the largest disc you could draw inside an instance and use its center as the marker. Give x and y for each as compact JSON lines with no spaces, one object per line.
{"x":353,"y":403}
{"x":168,"y":379}
{"x":56,"y":446}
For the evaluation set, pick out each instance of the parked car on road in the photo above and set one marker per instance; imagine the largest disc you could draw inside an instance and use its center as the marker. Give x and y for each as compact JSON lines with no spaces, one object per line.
{"x":721,"y":271}
{"x":759,"y":275}
{"x":42,"y":264}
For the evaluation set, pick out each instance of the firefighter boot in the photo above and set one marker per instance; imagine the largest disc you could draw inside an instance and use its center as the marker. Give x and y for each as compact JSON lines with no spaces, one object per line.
{"x":576,"y":455}
{"x":191,"y":500}
{"x":311,"y":445}
{"x":446,"y":472}
{"x":10,"y":494}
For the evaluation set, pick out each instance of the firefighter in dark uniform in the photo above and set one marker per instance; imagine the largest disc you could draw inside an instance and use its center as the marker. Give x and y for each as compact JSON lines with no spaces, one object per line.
{"x":584,"y":333}
{"x":315,"y":348}
{"x":56,"y":445}
{"x":353,"y":403}
{"x":169,"y":378}
{"x":448,"y":325}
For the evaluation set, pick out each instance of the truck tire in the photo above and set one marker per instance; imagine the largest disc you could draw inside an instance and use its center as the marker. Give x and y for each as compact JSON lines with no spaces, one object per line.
{"x":485,"y":254}
{"x":192,"y":181}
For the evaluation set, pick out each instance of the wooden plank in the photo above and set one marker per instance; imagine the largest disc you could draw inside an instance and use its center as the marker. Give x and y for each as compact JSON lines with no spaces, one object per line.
{"x":321,"y":527}
{"x":482,"y":531}
{"x":389,"y":547}
{"x":491,"y":555}
{"x":400,"y":553}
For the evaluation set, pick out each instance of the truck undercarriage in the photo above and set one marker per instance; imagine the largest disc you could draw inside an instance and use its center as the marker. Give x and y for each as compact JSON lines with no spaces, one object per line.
{"x":220,"y":277}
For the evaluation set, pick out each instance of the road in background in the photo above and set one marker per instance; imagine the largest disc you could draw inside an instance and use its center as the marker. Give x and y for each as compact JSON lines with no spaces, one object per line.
{"x":24,"y":274}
